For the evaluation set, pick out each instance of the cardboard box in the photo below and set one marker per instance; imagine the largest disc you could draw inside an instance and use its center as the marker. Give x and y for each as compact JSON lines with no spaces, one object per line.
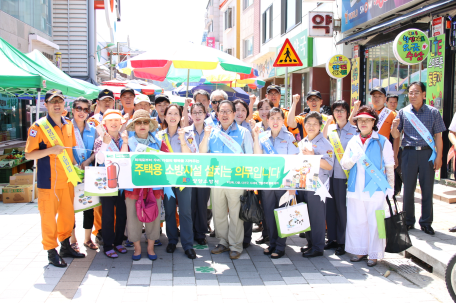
{"x":21,"y":179}
{"x":18,"y":193}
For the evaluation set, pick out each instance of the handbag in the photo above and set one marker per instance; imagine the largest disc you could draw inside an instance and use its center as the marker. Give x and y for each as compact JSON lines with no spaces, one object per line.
{"x":397,"y":237}
{"x":251,"y":210}
{"x":291,"y":219}
{"x":146,"y":209}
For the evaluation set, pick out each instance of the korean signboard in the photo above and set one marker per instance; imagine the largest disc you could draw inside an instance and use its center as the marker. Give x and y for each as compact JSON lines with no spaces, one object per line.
{"x":411,"y":46}
{"x":338,"y":66}
{"x":320,"y":24}
{"x":435,"y":71}
{"x":357,"y":12}
{"x":354,"y":81}
{"x":210,"y":42}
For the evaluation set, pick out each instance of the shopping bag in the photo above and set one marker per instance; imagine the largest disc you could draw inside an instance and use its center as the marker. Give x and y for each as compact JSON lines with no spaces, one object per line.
{"x":397,"y":237}
{"x":146,"y":206}
{"x":250,"y":211}
{"x":83,"y":202}
{"x":380,"y":216}
{"x":101,"y":181}
{"x":292,"y":220}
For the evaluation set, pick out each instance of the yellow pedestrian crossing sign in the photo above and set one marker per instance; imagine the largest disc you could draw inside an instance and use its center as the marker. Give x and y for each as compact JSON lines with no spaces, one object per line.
{"x":287,"y":56}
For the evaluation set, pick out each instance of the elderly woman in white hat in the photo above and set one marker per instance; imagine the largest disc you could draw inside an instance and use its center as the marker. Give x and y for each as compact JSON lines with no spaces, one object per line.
{"x":141,"y":129}
{"x":112,"y":141}
{"x":370,"y":159}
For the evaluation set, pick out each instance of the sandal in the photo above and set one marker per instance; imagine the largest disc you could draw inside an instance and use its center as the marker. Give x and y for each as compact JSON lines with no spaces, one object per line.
{"x":111,"y":254}
{"x":75,"y":247}
{"x":120,"y":249}
{"x":128,"y":243}
{"x":268,"y":251}
{"x":277,"y":254}
{"x":91,"y":245}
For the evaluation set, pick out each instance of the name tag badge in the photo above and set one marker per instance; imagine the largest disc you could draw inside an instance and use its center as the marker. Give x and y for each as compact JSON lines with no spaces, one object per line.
{"x":283,"y":141}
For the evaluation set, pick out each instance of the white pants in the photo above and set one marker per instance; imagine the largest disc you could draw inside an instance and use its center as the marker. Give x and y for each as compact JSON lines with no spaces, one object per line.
{"x":362,"y":234}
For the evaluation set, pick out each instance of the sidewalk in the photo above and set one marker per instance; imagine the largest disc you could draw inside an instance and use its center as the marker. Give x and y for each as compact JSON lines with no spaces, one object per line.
{"x":26,"y":277}
{"x":438,"y":249}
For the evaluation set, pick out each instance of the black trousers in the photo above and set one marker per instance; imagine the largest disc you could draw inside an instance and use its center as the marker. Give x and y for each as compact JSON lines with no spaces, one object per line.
{"x":336,"y":210}
{"x":87,"y":223}
{"x":200,"y":197}
{"x":113,"y":235}
{"x":270,"y":202}
{"x":317,"y":217}
{"x":414,"y":163}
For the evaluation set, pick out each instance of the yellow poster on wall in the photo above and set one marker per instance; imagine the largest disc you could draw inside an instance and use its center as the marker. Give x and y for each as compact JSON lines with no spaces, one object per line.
{"x":354,"y":82}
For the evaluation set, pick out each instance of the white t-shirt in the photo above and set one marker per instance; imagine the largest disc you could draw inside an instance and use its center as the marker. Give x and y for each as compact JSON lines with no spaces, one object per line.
{"x":453,"y":124}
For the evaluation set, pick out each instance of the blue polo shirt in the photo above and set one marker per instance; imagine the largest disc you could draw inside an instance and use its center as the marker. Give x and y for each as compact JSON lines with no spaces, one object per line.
{"x":240,"y":134}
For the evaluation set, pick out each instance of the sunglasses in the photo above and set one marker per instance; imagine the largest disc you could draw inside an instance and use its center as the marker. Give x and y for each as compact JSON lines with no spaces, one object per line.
{"x":80,"y":109}
{"x":56,"y":101}
{"x":141,"y":122}
{"x":215,"y":102}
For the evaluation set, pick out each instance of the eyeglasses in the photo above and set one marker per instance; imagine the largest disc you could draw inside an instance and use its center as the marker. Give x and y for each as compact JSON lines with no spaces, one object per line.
{"x":365,"y":120}
{"x":225,"y":112}
{"x":273,"y":94}
{"x":198,"y":113}
{"x":340,"y":111}
{"x":313,"y":100}
{"x":142,"y":122}
{"x":56,"y":101}
{"x":414,"y":93}
{"x":216,"y":101}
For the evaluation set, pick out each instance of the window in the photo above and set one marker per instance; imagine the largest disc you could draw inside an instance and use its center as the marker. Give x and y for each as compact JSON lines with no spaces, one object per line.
{"x":267,"y":24}
{"x":247,"y":3}
{"x":248,"y":47}
{"x":211,"y":27}
{"x":291,"y":14}
{"x":229,"y":51}
{"x":229,"y":18}
{"x":36,"y":13}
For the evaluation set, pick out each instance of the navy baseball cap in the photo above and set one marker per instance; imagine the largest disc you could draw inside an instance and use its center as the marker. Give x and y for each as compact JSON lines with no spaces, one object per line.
{"x":273,"y":87}
{"x":127,"y":90}
{"x":161,"y":98}
{"x":53,"y":93}
{"x":315,"y":93}
{"x":378,"y":89}
{"x":106,"y":93}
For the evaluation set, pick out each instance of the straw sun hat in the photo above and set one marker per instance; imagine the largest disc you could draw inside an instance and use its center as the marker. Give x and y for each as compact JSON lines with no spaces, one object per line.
{"x":142,"y":115}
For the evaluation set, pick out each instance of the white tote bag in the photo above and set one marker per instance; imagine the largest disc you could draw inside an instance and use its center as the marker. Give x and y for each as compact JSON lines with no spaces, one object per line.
{"x":81,"y":201}
{"x":292,"y":220}
{"x":101,"y":181}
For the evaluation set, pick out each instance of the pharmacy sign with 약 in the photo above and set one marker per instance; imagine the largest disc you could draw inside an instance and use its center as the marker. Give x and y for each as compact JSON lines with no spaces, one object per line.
{"x":338,"y":66}
{"x":411,"y":46}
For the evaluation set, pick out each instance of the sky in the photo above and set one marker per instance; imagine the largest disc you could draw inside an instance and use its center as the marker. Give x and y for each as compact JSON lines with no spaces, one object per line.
{"x":150,"y":23}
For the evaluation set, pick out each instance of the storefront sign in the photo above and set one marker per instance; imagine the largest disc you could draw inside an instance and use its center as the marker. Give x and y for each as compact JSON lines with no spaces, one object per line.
{"x":210,"y":42}
{"x":411,"y":47}
{"x":354,"y":81}
{"x":438,"y":26}
{"x":264,"y":66}
{"x":338,"y":66}
{"x":321,"y":24}
{"x":8,"y":101}
{"x":435,"y":71}
{"x":215,"y":170}
{"x":356,"y":12}
{"x":356,"y":51}
{"x":303,"y":44}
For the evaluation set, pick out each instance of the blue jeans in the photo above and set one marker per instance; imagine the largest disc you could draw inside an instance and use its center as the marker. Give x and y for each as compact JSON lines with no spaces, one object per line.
{"x":185,"y":217}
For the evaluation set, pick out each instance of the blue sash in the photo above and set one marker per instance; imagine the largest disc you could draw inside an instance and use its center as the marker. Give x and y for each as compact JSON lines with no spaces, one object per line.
{"x":266,"y":143}
{"x":422,"y":130}
{"x":378,"y":179}
{"x":225,"y":138}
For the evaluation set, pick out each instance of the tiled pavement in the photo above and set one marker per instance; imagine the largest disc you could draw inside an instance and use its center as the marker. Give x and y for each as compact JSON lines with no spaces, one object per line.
{"x":25,"y":277}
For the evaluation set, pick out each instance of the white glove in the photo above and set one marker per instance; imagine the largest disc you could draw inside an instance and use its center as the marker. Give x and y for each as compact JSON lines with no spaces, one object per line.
{"x":356,"y":155}
{"x":390,"y":178}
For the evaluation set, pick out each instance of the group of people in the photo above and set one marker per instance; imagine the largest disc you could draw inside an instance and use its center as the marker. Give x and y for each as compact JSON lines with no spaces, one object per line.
{"x":359,"y":148}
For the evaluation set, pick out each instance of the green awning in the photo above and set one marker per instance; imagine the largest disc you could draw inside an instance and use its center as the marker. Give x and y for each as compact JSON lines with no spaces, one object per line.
{"x":19,"y":75}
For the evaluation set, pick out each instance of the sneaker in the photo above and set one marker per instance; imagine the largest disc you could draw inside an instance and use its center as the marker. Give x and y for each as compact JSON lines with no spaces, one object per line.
{"x":219,"y":249}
